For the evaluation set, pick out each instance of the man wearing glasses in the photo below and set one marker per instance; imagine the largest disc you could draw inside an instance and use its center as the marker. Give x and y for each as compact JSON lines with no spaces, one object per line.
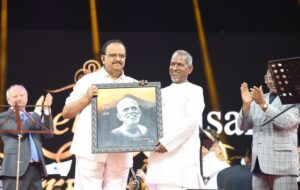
{"x":275,"y":162}
{"x":97,"y":171}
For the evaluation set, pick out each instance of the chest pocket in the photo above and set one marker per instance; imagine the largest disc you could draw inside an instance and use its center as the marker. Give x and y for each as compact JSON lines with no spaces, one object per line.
{"x":283,"y":147}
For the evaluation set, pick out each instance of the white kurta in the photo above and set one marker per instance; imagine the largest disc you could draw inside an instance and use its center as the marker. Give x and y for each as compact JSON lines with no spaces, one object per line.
{"x":82,"y":140}
{"x":182,"y":107}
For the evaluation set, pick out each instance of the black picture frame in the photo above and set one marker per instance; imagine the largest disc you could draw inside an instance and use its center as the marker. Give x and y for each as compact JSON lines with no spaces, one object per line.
{"x":106,"y":119}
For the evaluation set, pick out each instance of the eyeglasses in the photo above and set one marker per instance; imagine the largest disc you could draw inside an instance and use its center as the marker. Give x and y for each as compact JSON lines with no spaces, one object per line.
{"x":115,"y":55}
{"x":181,"y":65}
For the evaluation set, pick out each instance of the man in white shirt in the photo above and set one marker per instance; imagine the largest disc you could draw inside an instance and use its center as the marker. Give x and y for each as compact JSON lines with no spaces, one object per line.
{"x":97,"y":171}
{"x":175,"y":164}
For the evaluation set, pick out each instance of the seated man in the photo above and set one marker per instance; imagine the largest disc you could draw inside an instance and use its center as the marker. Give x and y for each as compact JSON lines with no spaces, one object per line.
{"x":214,"y":158}
{"x":237,"y":177}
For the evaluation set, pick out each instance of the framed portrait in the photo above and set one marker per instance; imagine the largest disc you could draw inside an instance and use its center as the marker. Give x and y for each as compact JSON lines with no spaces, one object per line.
{"x":126,"y":117}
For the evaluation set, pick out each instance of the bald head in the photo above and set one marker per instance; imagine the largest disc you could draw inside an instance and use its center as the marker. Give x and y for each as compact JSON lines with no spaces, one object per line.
{"x":17,"y":94}
{"x":128,"y":111}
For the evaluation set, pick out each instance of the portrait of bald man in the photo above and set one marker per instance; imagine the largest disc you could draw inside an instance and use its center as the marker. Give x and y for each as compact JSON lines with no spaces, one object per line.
{"x":129,"y":113}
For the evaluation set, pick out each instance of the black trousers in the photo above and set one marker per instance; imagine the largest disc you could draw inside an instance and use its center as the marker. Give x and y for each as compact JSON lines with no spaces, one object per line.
{"x":31,"y":180}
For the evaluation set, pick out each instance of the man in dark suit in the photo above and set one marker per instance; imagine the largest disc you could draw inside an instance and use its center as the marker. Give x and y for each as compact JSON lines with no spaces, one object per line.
{"x":32,"y":164}
{"x":237,"y":177}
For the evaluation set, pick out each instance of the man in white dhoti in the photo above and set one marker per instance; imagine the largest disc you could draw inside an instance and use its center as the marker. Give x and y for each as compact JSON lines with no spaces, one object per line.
{"x":175,"y":164}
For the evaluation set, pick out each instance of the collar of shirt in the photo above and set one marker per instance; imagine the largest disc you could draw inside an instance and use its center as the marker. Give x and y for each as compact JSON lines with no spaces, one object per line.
{"x":272,"y":97}
{"x":107,"y":75}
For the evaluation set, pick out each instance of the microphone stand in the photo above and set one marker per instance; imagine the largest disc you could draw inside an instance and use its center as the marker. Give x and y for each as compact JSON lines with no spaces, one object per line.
{"x":207,"y":134}
{"x":201,"y":162}
{"x":201,"y":156}
{"x":18,"y":161}
{"x":19,"y":131}
{"x":136,"y":182}
{"x":18,"y":119}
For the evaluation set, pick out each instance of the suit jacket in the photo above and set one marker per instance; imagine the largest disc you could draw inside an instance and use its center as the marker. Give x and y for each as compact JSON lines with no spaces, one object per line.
{"x":275,"y":144}
{"x":238,"y":177}
{"x":10,"y":142}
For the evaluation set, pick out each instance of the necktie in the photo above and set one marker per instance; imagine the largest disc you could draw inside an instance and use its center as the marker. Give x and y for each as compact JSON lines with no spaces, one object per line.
{"x":34,"y":152}
{"x":23,"y":116}
{"x":272,"y":97}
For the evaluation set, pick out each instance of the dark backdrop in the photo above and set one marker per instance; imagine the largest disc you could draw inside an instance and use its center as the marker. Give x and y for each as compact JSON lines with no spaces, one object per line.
{"x":48,"y":41}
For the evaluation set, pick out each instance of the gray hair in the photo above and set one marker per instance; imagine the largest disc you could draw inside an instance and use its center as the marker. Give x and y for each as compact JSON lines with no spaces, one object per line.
{"x":187,"y":55}
{"x":8,"y":91}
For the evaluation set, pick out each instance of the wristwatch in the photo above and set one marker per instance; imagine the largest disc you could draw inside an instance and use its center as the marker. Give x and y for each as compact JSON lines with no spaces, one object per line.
{"x":264,"y":106}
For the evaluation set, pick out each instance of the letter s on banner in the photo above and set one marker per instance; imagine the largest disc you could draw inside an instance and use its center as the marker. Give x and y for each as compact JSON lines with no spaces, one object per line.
{"x":216,"y":123}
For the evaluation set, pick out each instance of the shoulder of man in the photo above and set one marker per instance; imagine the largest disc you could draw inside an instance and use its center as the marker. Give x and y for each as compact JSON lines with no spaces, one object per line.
{"x":87,"y":80}
{"x":129,"y":79}
{"x":195,"y":85}
{"x":90,"y":75}
{"x":6,"y":113}
{"x":142,"y":128}
{"x":117,"y":131}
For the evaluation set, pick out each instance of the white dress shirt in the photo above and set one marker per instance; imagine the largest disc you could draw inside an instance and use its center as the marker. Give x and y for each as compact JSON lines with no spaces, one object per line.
{"x":82,"y":140}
